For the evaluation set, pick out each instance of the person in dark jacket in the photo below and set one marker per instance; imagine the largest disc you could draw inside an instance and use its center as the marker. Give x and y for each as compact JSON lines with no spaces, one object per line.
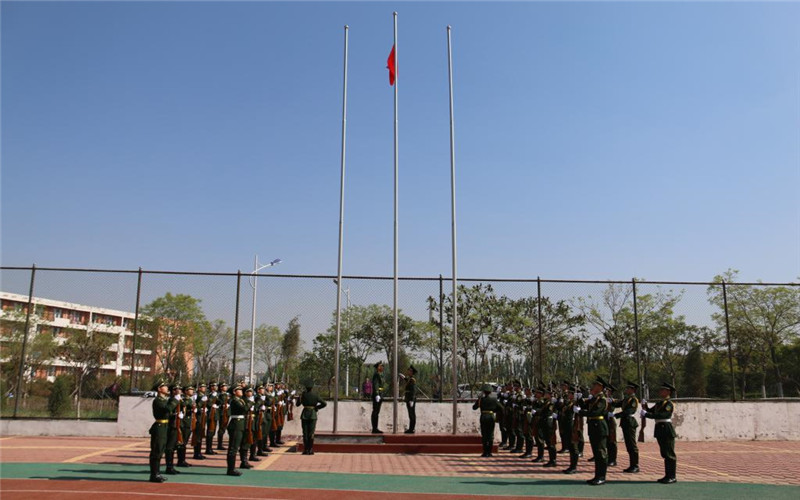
{"x":489,"y":407}
{"x":311,"y":403}
{"x":664,"y":432}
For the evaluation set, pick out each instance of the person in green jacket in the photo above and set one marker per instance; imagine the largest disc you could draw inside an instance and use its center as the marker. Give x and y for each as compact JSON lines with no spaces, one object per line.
{"x":224,"y":413}
{"x":238,"y":410}
{"x":175,"y":417}
{"x":377,"y":396}
{"x":629,"y":407}
{"x":187,"y":406}
{"x":163,"y":406}
{"x":572,"y":425}
{"x":489,"y":407}
{"x":311,"y":403}
{"x":410,"y":398}
{"x":664,"y":432}
{"x":596,"y":412}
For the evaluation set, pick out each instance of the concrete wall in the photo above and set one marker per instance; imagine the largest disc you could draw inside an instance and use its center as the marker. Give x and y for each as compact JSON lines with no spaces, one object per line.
{"x":694,"y":421}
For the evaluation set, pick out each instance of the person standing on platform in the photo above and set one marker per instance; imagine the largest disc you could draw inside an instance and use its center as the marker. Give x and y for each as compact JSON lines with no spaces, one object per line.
{"x":489,"y":408}
{"x":629,"y":407}
{"x":596,"y":413}
{"x":410,"y":397}
{"x":238,"y":410}
{"x":163,"y":406}
{"x":377,"y":395}
{"x":664,"y":432}
{"x":311,"y":403}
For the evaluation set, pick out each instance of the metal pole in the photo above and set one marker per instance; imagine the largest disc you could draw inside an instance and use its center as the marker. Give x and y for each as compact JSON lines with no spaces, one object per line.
{"x":253,"y":323}
{"x":539,"y":317}
{"x":341,"y":236}
{"x":728,"y":335}
{"x":441,"y":338}
{"x":636,"y":332}
{"x":453,"y":223}
{"x":236,"y":328}
{"x":135,"y":329}
{"x":396,"y":389}
{"x":18,"y":394}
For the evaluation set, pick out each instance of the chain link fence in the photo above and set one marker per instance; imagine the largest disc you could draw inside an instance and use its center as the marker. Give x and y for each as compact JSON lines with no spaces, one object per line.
{"x":718,"y":339}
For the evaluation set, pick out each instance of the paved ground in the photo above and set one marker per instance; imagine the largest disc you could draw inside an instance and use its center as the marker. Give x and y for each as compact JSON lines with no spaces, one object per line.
{"x":705,"y":470}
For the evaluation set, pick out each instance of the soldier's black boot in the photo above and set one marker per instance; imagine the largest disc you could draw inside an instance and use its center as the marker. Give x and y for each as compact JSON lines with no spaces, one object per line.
{"x":666,"y":472}
{"x":580,"y":448}
{"x":155,"y":475}
{"x":539,"y":454}
{"x":573,"y":464}
{"x":182,"y":458}
{"x":278,"y":439}
{"x":262,"y":445}
{"x":210,"y":445}
{"x":528,"y":449}
{"x":197,"y":453}
{"x":245,"y":464}
{"x":601,"y":475}
{"x":265,"y":447}
{"x":232,"y":466}
{"x":511,"y":440}
{"x":253,"y":456}
{"x":311,"y":446}
{"x":219,"y":441}
{"x":170,"y":459}
{"x":551,"y":453}
{"x":671,"y":466}
{"x":503,"y":437}
{"x":634,"y":467}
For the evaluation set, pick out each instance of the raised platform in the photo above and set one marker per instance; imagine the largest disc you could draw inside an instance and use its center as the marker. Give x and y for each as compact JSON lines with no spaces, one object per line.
{"x":397,"y":443}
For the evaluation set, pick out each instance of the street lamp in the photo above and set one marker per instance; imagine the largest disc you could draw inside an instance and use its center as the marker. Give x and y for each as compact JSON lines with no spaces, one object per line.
{"x":347,"y":363}
{"x":254,"y":285}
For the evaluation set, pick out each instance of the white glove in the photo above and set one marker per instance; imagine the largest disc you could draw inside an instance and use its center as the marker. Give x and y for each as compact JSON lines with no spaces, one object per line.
{"x":194,"y":411}
{"x":205,"y":398}
{"x":642,"y":412}
{"x":214,"y":394}
{"x":215,"y":406}
{"x":576,"y":409}
{"x":251,"y":399}
{"x":555,"y":416}
{"x":610,"y":415}
{"x":590,"y":396}
{"x":178,"y":397}
{"x":377,"y":399}
{"x":263,"y":408}
{"x":533,"y":412}
{"x":293,"y":393}
{"x":560,"y":400}
{"x":644,"y":402}
{"x":281,"y":403}
{"x":180,"y":415}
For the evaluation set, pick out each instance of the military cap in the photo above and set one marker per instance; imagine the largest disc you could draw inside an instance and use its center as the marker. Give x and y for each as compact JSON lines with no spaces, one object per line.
{"x":201,"y":384}
{"x":174,"y":386}
{"x":632,"y":385}
{"x":222,"y":384}
{"x":212,"y":384}
{"x":602,"y":383}
{"x":379,"y":363}
{"x":260,"y":386}
{"x":486,"y":388}
{"x":248,"y":389}
{"x":188,"y":387}
{"x":666,"y":385}
{"x":413,"y":370}
{"x":159,"y":384}
{"x":610,"y":387}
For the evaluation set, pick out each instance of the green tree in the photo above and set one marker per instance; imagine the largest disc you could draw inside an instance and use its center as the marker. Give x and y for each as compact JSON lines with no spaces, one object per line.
{"x":173,"y":322}
{"x":212,"y":348}
{"x":290,"y":347}
{"x":378,"y":331}
{"x":85,"y":351}
{"x":58,"y":401}
{"x":694,"y":377}
{"x":39,"y":352}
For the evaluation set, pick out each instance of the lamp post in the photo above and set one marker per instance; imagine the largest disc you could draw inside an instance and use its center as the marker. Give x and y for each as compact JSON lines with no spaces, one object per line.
{"x":254,"y":284}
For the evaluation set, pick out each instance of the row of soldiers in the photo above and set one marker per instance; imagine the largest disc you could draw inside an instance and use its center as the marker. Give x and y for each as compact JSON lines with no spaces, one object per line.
{"x":535,"y":417}
{"x":188,"y":417}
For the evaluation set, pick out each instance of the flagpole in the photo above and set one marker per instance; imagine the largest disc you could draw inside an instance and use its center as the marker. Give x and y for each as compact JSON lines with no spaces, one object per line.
{"x":394,"y":363}
{"x":341,"y":239}
{"x":453,"y":226}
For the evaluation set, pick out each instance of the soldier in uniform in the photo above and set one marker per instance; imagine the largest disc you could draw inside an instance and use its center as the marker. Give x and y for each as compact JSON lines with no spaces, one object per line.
{"x":572,"y":426}
{"x":163,"y":406}
{"x":173,"y":428}
{"x":489,"y":407}
{"x":536,"y":414}
{"x":212,"y":418}
{"x":265,"y":421}
{"x":629,"y":407}
{"x":563,"y":418}
{"x":410,"y":398}
{"x":311,"y":403}
{"x":187,"y":408}
{"x":527,"y":423}
{"x":199,"y":430}
{"x":612,"y":426}
{"x":664,"y":432}
{"x":547,"y":425}
{"x":377,"y":395}
{"x":596,"y":412}
{"x":502,"y":398}
{"x":518,"y":418}
{"x":224,"y":413}
{"x":238,"y":410}
{"x":249,"y":429}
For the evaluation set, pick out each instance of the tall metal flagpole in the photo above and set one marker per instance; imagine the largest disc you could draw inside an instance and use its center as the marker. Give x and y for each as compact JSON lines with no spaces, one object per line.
{"x":394,"y":363}
{"x":453,"y":208}
{"x":341,"y":233}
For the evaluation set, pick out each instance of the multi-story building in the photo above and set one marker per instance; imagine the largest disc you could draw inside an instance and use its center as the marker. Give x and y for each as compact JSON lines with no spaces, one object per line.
{"x":57,"y":318}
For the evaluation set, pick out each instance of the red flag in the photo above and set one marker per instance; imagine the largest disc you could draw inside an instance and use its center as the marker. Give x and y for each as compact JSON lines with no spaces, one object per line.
{"x":390,"y":65}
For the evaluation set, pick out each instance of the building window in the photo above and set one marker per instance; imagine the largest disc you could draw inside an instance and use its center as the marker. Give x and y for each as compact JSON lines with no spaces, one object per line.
{"x":57,"y":312}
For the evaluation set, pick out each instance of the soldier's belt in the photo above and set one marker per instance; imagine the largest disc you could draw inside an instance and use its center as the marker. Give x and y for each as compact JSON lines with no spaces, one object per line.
{"x":484,"y":412}
{"x":236,"y":417}
{"x":309,"y":407}
{"x":663,"y":420}
{"x":162,"y":421}
{"x":596,"y":418}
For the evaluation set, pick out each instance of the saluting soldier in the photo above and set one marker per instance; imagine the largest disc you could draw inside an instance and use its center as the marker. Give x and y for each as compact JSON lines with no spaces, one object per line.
{"x":224,"y":413}
{"x":163,"y":406}
{"x":311,"y":403}
{"x":410,"y":398}
{"x":212,"y":417}
{"x":377,"y":396}
{"x":612,"y":426}
{"x":238,"y":410}
{"x":200,"y":425}
{"x":489,"y":407}
{"x":596,"y":413}
{"x":173,"y":429}
{"x":629,"y":407}
{"x":664,"y":432}
{"x":187,"y":407}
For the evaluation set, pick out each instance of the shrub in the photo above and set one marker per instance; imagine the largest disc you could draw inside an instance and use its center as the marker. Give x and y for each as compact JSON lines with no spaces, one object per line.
{"x":58,"y":403}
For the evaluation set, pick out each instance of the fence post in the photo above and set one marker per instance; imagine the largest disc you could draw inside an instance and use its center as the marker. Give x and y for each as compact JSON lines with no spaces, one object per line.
{"x":728,"y":335}
{"x":539,"y":316}
{"x":135,"y":331}
{"x":236,"y":327}
{"x":636,"y":332}
{"x":24,"y":342}
{"x":441,"y":338}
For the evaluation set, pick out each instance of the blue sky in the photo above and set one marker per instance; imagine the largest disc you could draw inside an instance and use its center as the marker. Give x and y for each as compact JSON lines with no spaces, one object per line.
{"x":593,"y":141}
